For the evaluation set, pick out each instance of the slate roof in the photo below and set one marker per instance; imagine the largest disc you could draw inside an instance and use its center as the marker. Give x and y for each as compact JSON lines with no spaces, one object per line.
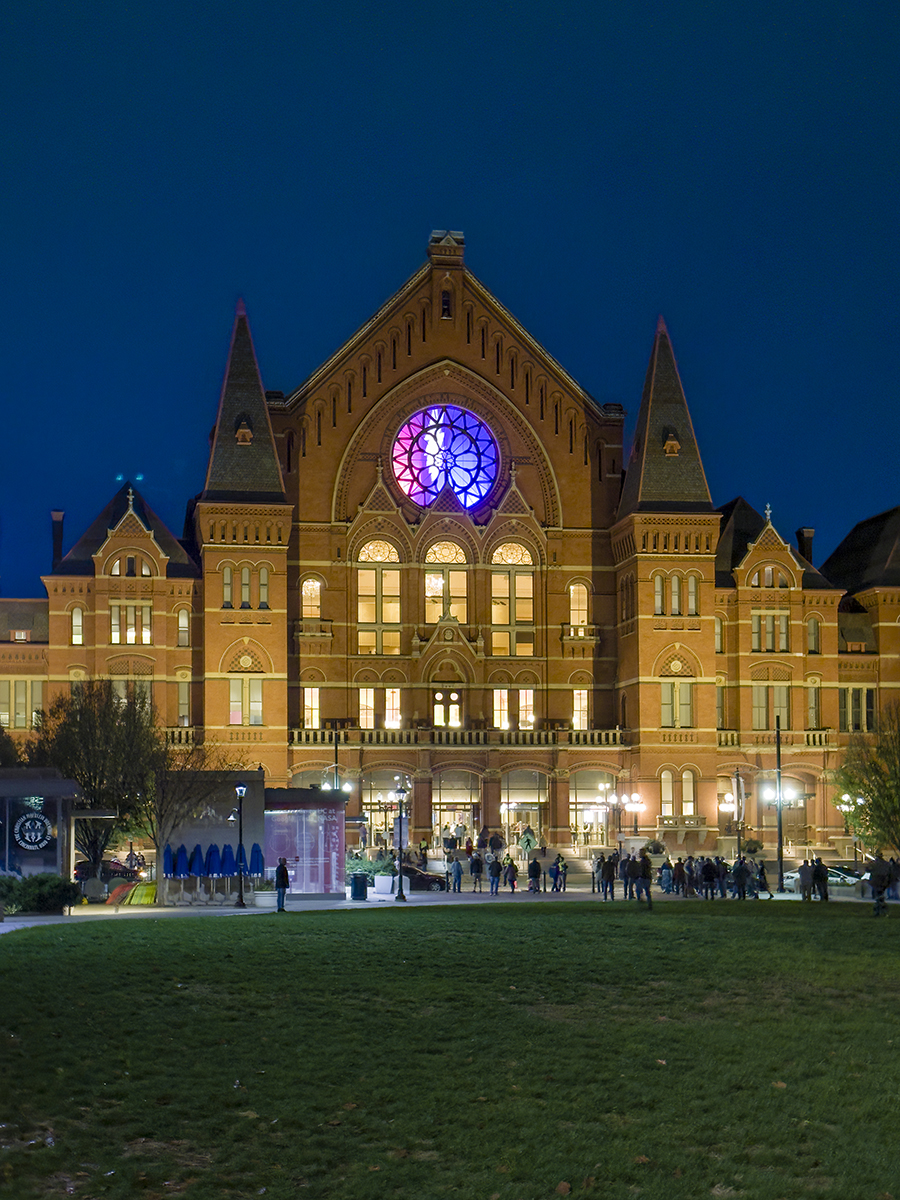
{"x":79,"y":560}
{"x":657,"y":480}
{"x":243,"y":465}
{"x":869,"y":556}
{"x":741,"y":526}
{"x":31,"y":615}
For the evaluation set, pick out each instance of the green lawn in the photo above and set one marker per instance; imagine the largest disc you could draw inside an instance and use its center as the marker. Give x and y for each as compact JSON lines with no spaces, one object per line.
{"x":515,"y":1052}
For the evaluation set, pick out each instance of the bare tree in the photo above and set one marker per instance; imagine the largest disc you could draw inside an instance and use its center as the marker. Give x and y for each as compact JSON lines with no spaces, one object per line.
{"x":871,"y":772}
{"x":110,"y":746}
{"x":185,"y":778}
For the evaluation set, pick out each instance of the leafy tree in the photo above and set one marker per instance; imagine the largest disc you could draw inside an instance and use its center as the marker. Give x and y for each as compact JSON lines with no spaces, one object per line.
{"x":871,"y":770}
{"x":9,"y":751}
{"x":185,"y":778}
{"x":110,"y":747}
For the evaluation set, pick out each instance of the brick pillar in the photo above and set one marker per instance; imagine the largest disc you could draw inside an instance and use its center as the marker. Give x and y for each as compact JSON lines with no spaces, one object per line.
{"x":559,"y":831}
{"x":420,"y":818}
{"x":490,"y":801}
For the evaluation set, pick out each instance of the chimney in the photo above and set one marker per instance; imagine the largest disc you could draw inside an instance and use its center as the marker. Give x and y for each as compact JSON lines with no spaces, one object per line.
{"x":57,"y":518}
{"x":804,"y":542}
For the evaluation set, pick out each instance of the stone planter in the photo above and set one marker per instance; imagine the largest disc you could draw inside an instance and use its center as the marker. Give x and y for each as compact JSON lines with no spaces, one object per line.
{"x":263,"y":899}
{"x":384,"y":885}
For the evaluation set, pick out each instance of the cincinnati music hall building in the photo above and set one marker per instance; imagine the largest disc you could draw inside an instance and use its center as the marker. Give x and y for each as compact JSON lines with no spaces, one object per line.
{"x":432,"y":564}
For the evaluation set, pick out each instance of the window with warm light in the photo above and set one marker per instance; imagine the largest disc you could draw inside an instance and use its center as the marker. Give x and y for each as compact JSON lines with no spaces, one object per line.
{"x":184,"y":627}
{"x":445,"y":586}
{"x":310,"y":708}
{"x":392,"y":708}
{"x":580,"y":708}
{"x":447,"y":709}
{"x":130,"y":624}
{"x":667,"y":795}
{"x":676,"y":704}
{"x":512,"y":601}
{"x":76,"y":621}
{"x":578,"y":604}
{"x":688,"y":802}
{"x":311,"y":598}
{"x":367,"y":708}
{"x":378,"y":600}
{"x":227,"y":587}
{"x":245,"y":705}
{"x":501,"y":708}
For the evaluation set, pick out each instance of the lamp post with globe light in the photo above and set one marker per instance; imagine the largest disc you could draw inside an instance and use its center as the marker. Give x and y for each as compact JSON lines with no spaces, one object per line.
{"x":400,"y":792}
{"x":635,"y":806}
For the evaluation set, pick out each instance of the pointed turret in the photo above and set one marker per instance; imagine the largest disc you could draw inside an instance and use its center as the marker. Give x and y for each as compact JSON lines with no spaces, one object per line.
{"x":243,"y":465}
{"x":664,"y":473}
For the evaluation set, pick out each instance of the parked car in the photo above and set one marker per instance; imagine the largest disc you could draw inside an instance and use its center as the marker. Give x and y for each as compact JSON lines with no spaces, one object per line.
{"x":836,"y":879}
{"x":111,"y":870}
{"x":417,"y":880}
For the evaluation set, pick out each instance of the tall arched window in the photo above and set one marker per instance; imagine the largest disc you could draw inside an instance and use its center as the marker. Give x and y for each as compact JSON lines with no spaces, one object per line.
{"x":512,"y":600}
{"x":676,"y":595}
{"x":659,"y":595}
{"x":263,"y":587}
{"x":245,"y":587}
{"x":812,"y":636}
{"x":688,"y":802}
{"x":693,"y":598}
{"x":445,"y":583}
{"x":378,"y":599}
{"x":227,"y":587}
{"x":666,"y":793}
{"x":184,"y":628}
{"x":77,"y":626}
{"x":720,"y":635}
{"x":578,"y":604}
{"x":311,"y":595}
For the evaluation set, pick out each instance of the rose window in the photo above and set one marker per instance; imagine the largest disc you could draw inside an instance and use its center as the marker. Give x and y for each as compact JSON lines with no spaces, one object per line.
{"x":445,"y":446}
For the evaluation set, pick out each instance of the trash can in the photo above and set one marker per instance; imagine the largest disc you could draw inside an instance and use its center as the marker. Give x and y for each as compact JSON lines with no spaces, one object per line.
{"x":359,"y":882}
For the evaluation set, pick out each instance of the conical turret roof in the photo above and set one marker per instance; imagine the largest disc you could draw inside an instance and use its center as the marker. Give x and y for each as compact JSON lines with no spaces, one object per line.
{"x":664,"y":473}
{"x":243,"y":465}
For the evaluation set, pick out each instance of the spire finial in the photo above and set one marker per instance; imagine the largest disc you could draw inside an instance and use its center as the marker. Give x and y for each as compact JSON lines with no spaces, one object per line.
{"x":769,"y":512}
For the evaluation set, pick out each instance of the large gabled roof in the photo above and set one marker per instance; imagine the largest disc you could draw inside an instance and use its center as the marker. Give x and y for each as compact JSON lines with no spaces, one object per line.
{"x":664,"y":472}
{"x":80,"y":561}
{"x":869,"y":556}
{"x":444,"y":246}
{"x":31,"y":616}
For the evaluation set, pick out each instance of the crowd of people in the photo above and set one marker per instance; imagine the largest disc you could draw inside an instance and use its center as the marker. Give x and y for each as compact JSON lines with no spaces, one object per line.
{"x":691,"y":877}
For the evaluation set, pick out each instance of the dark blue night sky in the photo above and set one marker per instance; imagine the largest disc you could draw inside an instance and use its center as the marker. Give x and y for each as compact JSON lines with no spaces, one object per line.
{"x":733,"y":167}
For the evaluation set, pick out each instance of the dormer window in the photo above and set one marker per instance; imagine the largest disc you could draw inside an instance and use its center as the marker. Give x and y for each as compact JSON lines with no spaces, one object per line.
{"x":445,"y":305}
{"x":244,"y":434}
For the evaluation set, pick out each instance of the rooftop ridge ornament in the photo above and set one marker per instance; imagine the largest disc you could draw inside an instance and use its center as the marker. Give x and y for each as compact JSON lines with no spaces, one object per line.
{"x":769,"y":513}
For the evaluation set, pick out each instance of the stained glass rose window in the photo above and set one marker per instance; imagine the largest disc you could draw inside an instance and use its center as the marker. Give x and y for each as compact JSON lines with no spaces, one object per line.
{"x":445,"y":446}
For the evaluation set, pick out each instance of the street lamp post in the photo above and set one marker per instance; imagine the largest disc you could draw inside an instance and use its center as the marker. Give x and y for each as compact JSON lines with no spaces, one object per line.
{"x":240,"y":791}
{"x":401,"y":794}
{"x":635,"y":806}
{"x":779,"y":800}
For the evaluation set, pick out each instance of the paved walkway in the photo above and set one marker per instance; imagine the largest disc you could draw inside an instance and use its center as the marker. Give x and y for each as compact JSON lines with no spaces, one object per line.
{"x":102,"y":912}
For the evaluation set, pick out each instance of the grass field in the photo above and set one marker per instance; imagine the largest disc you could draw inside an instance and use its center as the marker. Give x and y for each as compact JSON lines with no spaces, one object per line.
{"x":515,"y":1052}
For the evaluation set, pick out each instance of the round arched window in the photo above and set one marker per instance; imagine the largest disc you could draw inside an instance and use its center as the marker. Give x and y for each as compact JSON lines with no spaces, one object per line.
{"x":445,"y":446}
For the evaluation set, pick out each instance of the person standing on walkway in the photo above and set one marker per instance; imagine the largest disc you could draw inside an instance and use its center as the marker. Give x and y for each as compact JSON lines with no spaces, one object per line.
{"x":563,"y":873}
{"x":804,"y":878}
{"x":820,"y":878}
{"x":534,"y":875}
{"x":644,"y":877}
{"x":879,"y":882}
{"x":495,"y":870}
{"x":623,"y":875}
{"x":762,"y":880}
{"x":708,"y":879}
{"x":633,"y":866}
{"x":678,"y":877}
{"x":608,"y":879}
{"x":740,"y":873}
{"x":476,"y":869}
{"x":511,"y":874}
{"x":282,"y":883}
{"x":456,"y":874}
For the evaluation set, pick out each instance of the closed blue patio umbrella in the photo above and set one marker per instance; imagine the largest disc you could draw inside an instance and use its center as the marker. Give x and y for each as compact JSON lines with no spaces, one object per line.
{"x":213,"y":862}
{"x":257,"y":862}
{"x":229,"y":867}
{"x":168,"y":862}
{"x":182,"y":869}
{"x":197,"y":867}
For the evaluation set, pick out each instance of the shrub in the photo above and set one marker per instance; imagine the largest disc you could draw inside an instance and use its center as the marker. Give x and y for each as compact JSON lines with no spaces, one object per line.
{"x":46,"y":893}
{"x":752,"y":846}
{"x":654,"y":846}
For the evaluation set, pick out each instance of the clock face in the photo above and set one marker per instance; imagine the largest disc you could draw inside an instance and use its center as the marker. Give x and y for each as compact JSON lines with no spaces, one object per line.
{"x":445,"y":446}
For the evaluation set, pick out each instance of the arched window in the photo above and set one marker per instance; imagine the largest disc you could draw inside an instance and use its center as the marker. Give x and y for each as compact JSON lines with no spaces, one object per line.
{"x":667,"y":795}
{"x":659,"y":596}
{"x":812,"y":636}
{"x":512,"y":601}
{"x":676,"y":595}
{"x":378,"y":600}
{"x":263,"y":587}
{"x":184,"y":628}
{"x":719,"y":635}
{"x":693,"y":588}
{"x":447,"y":709}
{"x":77,"y":626}
{"x":578,"y":603}
{"x":676,"y":704}
{"x":227,"y":587}
{"x":688,"y":802}
{"x":311,"y":594}
{"x":445,"y":587}
{"x":245,"y":587}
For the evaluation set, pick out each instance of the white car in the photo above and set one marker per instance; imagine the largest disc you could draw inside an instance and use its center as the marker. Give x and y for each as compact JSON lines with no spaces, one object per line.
{"x":836,"y":879}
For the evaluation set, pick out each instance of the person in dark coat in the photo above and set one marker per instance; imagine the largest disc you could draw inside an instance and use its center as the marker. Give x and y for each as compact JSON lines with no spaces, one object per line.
{"x":879,"y":882}
{"x":708,"y":879}
{"x":820,"y":878}
{"x":740,"y":873}
{"x":678,"y":877}
{"x":644,"y":877}
{"x":282,"y":883}
{"x":534,"y":875}
{"x":608,"y":878}
{"x":476,"y":870}
{"x":633,"y":868}
{"x":762,"y":880}
{"x":511,"y":874}
{"x":456,"y":874}
{"x":495,"y":870}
